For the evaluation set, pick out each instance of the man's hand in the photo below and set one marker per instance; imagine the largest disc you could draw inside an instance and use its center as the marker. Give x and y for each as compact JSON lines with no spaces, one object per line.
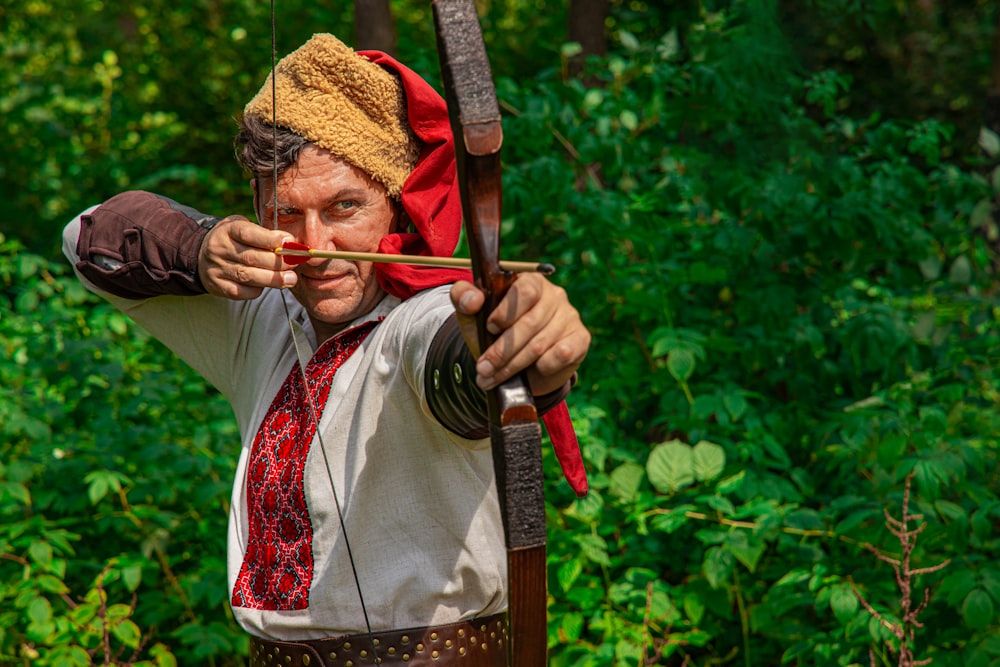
{"x":537,"y":328}
{"x":237,"y":259}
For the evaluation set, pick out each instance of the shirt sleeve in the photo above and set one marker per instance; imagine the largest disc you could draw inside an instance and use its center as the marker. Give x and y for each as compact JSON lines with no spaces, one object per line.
{"x":148,"y":271}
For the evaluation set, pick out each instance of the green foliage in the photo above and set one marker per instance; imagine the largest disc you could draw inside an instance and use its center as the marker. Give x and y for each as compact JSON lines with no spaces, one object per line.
{"x":804,"y":289}
{"x":114,"y":482}
{"x":791,"y":297}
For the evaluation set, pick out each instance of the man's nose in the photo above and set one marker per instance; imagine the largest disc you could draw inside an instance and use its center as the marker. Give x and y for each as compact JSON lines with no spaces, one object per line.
{"x":314,"y":233}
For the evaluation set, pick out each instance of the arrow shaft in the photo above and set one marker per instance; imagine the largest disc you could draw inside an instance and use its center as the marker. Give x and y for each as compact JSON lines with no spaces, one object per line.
{"x":452,"y":262}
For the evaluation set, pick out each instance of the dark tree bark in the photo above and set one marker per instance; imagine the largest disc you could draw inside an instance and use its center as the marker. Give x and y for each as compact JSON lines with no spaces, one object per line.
{"x":373,"y":26}
{"x":586,"y":26}
{"x":992,"y":111}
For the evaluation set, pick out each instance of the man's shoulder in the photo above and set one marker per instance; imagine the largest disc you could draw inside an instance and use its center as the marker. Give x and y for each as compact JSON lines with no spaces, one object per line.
{"x":422,"y":312}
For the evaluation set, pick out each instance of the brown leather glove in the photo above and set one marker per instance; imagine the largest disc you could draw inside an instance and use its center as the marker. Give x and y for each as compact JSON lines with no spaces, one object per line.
{"x":138,"y":245}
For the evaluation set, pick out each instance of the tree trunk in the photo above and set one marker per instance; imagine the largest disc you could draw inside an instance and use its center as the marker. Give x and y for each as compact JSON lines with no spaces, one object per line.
{"x":373,"y":26}
{"x":992,"y":112}
{"x":586,"y":27}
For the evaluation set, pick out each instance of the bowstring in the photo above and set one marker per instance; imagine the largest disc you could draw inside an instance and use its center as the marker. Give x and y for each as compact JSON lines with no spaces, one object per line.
{"x":310,"y":400}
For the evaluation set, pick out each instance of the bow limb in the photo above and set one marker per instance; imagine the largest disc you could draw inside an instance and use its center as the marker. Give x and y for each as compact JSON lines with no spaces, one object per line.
{"x":514,"y":430}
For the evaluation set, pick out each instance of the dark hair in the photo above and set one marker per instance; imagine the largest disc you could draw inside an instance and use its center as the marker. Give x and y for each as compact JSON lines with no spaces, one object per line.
{"x":256,"y":146}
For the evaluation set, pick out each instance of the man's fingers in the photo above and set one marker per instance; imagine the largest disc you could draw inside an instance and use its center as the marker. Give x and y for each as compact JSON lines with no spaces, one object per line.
{"x":537,"y":330}
{"x":550,"y":355}
{"x":237,"y":259}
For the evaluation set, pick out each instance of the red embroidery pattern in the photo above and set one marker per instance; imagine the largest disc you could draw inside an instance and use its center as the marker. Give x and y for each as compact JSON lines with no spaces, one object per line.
{"x":278,"y":565}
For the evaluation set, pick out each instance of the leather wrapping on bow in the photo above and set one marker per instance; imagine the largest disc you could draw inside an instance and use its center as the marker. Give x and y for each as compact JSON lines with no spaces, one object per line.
{"x":514,"y":430}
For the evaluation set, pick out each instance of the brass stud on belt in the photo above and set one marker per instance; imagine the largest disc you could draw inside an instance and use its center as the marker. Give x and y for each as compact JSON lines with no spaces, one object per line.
{"x":437,"y":378}
{"x":333,"y":655}
{"x":391,"y":650}
{"x":435,"y":654}
{"x":447,"y":643}
{"x":406,"y":657}
{"x":434,"y":636}
{"x":347,"y":646}
{"x":376,"y":642}
{"x":306,"y":660}
{"x":364,"y":654}
{"x":461,"y":650}
{"x":420,"y":647}
{"x":406,"y":639}
{"x":349,"y":663}
{"x":456,"y":373}
{"x":461,"y":632}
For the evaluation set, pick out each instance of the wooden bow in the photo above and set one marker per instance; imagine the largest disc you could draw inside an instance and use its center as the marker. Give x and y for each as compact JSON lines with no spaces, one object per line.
{"x":514,"y":430}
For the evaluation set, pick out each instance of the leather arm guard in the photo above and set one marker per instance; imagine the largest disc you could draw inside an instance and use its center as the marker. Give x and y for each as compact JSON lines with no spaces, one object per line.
{"x":450,"y":386}
{"x":138,"y":245}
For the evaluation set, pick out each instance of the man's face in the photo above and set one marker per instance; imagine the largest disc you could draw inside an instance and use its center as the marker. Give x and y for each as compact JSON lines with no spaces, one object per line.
{"x":329,"y":204}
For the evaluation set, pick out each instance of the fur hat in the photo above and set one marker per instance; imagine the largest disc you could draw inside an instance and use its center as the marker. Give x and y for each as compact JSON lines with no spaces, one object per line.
{"x":339,"y":100}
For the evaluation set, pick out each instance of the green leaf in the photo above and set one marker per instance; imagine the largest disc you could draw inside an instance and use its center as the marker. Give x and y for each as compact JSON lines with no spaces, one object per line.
{"x":588,"y":508}
{"x":844,"y":603}
{"x":732,"y":483}
{"x":747,"y":547}
{"x":931,"y":267}
{"x":568,"y":572}
{"x":132,"y":576}
{"x":961,"y":271}
{"x":572,"y":626}
{"x":958,"y":585}
{"x":594,"y":548}
{"x":629,"y":120}
{"x":40,"y":552}
{"x":681,"y":364}
{"x":625,"y":481}
{"x":694,"y":608}
{"x":717,"y":566}
{"x":40,"y":611}
{"x":735,"y":404}
{"x":708,"y":460}
{"x":51,"y":584}
{"x":670,"y":466}
{"x":127,"y":632}
{"x":97,"y":489}
{"x":570,"y":49}
{"x":977,"y":609}
{"x":69,"y":656}
{"x":16,"y":491}
{"x":891,"y":449}
{"x":989,"y":141}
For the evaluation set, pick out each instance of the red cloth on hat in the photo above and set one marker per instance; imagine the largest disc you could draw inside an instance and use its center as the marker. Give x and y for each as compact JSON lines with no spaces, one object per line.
{"x":433,"y":203}
{"x":430,"y":194}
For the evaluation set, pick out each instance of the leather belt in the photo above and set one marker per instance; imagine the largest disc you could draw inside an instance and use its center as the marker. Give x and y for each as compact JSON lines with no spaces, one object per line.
{"x":480,"y":642}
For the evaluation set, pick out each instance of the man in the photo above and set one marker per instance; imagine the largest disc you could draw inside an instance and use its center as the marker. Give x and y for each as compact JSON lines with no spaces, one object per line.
{"x":382,"y":523}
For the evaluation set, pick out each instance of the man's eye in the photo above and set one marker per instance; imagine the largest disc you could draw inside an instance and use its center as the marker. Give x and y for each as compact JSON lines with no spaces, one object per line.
{"x":345,"y":205}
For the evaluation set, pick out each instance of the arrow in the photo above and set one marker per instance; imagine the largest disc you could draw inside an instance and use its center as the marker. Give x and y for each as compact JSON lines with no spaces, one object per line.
{"x":299,"y":253}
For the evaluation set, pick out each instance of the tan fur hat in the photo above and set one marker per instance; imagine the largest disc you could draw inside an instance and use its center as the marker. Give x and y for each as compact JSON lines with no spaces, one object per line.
{"x":340,"y":101}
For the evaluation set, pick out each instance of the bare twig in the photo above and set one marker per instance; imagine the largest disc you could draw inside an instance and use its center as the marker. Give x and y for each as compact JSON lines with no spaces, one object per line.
{"x":905,"y":629}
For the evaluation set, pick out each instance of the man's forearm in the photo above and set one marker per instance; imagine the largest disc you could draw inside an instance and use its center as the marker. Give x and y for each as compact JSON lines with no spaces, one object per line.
{"x":138,"y":245}
{"x":450,"y":386}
